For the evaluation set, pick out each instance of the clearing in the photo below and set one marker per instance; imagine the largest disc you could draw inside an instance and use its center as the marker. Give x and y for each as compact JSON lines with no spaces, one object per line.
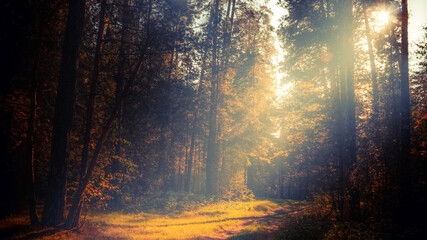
{"x":258,"y":219}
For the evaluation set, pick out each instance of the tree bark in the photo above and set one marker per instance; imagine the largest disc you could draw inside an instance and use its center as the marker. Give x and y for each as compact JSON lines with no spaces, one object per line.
{"x":53,"y":213}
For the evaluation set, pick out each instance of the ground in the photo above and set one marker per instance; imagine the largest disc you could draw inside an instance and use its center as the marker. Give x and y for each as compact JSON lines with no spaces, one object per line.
{"x":258,"y":219}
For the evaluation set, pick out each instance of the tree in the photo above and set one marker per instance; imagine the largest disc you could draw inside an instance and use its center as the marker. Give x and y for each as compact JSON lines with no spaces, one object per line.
{"x":349,"y":158}
{"x":212,"y":157}
{"x":53,"y":213}
{"x":405,"y":123}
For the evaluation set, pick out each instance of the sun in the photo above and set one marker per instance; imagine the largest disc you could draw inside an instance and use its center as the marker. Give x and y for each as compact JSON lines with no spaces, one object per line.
{"x":383,"y":17}
{"x":380,"y":19}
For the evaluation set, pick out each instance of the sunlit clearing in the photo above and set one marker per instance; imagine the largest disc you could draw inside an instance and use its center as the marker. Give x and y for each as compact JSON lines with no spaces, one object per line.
{"x":216,"y":221}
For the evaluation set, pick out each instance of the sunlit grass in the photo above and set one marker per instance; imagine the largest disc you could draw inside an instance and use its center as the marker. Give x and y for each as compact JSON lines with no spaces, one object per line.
{"x":215,"y":220}
{"x":221,"y":220}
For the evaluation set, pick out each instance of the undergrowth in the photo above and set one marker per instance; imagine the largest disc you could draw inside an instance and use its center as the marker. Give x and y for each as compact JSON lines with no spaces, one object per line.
{"x":317,"y":221}
{"x":164,"y":202}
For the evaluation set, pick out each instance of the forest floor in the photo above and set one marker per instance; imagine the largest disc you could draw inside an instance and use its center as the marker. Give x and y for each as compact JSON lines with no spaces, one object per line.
{"x":258,"y":219}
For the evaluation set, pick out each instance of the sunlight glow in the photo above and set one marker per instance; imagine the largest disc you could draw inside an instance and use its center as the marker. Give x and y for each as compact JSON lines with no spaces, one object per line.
{"x":282,"y":90}
{"x":383,"y":17}
{"x":380,"y":19}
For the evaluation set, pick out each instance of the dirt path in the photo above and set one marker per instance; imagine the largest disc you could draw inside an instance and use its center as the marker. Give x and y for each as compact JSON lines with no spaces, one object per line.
{"x":267,"y":226}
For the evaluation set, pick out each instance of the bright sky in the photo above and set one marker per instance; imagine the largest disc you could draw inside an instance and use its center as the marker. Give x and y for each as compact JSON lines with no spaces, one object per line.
{"x":417,"y":19}
{"x":281,"y":89}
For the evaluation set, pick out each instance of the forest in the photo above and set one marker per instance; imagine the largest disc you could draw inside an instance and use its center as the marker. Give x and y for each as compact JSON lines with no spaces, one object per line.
{"x":212,"y":119}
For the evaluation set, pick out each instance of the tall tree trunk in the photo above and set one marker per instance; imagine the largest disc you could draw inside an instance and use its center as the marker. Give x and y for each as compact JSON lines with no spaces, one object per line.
{"x":30,"y":148}
{"x":349,"y":202}
{"x":375,"y":115}
{"x":126,"y":16}
{"x":53,"y":213}
{"x":405,"y":114}
{"x":189,"y":165}
{"x":353,"y":189}
{"x":212,"y":154}
{"x":372,"y":65}
{"x":92,"y":94}
{"x":92,"y":91}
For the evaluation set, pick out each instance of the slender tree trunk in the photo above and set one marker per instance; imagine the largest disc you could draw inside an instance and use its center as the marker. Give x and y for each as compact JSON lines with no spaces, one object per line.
{"x":405,"y":121}
{"x":126,"y":16}
{"x":189,"y":167}
{"x":92,"y":91}
{"x":30,"y":149}
{"x":353,"y":189}
{"x":349,"y":196}
{"x":212,"y":156}
{"x":92,"y":94}
{"x":351,"y":148}
{"x":375,"y":115}
{"x":229,"y":31}
{"x":372,"y":65}
{"x":55,"y":199}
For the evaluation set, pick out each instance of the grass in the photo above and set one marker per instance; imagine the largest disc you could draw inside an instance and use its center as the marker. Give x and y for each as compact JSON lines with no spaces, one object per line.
{"x":221,"y":220}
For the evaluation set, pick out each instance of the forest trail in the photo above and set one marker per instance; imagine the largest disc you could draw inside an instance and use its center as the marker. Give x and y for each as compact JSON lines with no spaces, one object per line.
{"x":259,"y":219}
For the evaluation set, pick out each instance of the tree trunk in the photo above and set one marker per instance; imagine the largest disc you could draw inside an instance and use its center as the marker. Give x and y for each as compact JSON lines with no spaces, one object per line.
{"x":351,"y":148}
{"x":373,"y":67}
{"x":126,"y":16}
{"x":405,"y":114}
{"x":30,"y":149}
{"x":349,"y":196}
{"x":55,"y":199}
{"x":212,"y":154}
{"x":72,"y":218}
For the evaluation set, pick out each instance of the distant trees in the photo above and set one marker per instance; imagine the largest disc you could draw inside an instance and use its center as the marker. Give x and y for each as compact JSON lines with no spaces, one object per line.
{"x":361,"y":130}
{"x":419,"y":138}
